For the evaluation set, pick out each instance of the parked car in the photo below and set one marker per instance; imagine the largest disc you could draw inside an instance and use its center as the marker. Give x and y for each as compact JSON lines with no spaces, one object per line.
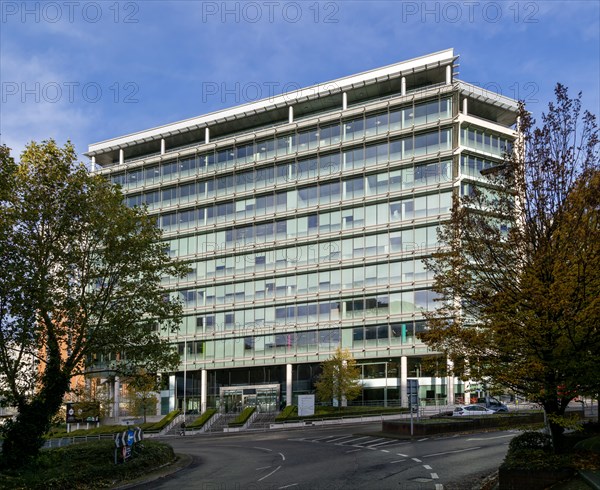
{"x":493,"y":404}
{"x":470,"y":410}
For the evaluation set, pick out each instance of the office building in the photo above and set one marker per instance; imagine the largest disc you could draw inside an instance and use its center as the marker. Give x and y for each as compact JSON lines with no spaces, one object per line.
{"x":305,"y":218}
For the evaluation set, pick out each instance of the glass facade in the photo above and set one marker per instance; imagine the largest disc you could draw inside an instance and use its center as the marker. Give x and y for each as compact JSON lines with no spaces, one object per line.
{"x":310,"y":238}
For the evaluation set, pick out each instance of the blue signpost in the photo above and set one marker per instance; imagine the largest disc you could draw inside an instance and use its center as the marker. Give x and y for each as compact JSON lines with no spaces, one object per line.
{"x":125,"y":441}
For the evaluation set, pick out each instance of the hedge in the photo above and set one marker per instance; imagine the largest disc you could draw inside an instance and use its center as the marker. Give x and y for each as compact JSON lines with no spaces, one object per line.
{"x":287,"y":412}
{"x":203,"y":419}
{"x":162,"y":423}
{"x":243,"y":417}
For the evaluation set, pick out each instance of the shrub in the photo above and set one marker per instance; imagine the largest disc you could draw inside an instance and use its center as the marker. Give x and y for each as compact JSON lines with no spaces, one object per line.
{"x":86,"y":466}
{"x":591,"y":444}
{"x":530,"y":440}
{"x":534,"y":459}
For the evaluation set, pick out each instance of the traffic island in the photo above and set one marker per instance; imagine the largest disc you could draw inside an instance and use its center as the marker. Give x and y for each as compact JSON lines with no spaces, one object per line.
{"x":428,"y":427}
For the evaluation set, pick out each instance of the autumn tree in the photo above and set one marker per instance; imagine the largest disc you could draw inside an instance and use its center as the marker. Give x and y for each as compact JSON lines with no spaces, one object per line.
{"x":339,"y":379}
{"x":142,"y":387}
{"x":519,"y":273}
{"x":80,"y":280}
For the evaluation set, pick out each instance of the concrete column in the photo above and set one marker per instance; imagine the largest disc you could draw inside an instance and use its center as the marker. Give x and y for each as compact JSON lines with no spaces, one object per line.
{"x":403,"y":86}
{"x":172,"y":393}
{"x":206,"y":135}
{"x":404,"y":381}
{"x":344,"y":101}
{"x":93,"y":164}
{"x":467,"y":393}
{"x":121,"y":156}
{"x":465,"y":106}
{"x":450,"y":383}
{"x":203,"y":390}
{"x":448,"y":74}
{"x":288,"y":385}
{"x":117,"y":388}
{"x":162,"y":146}
{"x":290,"y":114}
{"x":344,"y":399}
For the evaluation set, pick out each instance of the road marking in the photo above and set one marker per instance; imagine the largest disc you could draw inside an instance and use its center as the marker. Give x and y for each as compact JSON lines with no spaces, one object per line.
{"x":397,"y":461}
{"x":384,"y":450}
{"x":288,"y":486}
{"x":378,"y":439}
{"x":263,"y":468}
{"x":452,"y":452}
{"x":263,"y":448}
{"x":403,"y":455}
{"x":268,"y":475}
{"x":424,"y":439}
{"x":354,"y":440}
{"x":319,"y":438}
{"x":282,"y":456}
{"x":382,"y":443}
{"x":434,"y":476}
{"x":489,"y":438}
{"x":439,"y":486}
{"x":426,"y":466}
{"x":353,"y":450}
{"x":416,"y":460}
{"x":339,"y":438}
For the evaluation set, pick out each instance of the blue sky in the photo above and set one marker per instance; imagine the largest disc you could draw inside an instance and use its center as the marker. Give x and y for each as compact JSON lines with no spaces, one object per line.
{"x":89,"y":71}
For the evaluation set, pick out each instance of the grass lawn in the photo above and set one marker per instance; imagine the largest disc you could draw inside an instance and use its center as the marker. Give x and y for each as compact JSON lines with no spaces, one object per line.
{"x":86,"y":466}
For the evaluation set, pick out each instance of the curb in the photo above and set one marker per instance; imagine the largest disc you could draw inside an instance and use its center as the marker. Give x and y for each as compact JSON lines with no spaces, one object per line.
{"x":181,"y":462}
{"x":592,"y":478}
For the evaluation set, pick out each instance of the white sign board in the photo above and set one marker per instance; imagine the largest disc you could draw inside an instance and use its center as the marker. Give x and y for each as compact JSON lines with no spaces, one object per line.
{"x":306,"y":405}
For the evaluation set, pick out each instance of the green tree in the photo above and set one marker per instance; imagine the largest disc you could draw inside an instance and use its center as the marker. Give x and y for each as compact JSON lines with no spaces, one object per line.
{"x":80,"y":280}
{"x":142,"y":388}
{"x":339,"y":378}
{"x":519,"y":271}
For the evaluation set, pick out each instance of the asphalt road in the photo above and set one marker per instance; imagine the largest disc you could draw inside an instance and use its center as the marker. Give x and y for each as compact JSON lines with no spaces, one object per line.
{"x":334,"y":458}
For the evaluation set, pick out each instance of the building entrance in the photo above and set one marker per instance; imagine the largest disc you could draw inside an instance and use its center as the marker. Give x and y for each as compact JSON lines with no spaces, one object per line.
{"x":235,"y":398}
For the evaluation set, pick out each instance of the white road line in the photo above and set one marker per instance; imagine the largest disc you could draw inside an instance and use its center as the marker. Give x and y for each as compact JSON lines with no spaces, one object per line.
{"x":266,"y":476}
{"x":434,"y":476}
{"x":378,"y":439}
{"x":489,"y":438}
{"x":288,"y":486}
{"x":263,"y":448}
{"x":263,"y":468}
{"x":384,"y":450}
{"x":319,"y":438}
{"x":397,"y":461}
{"x":426,"y":466}
{"x":416,"y":460}
{"x":424,"y":439}
{"x":353,"y":450}
{"x":403,"y":455}
{"x":339,"y":438}
{"x":452,"y":452}
{"x":282,"y":456}
{"x":381,"y":443}
{"x":354,"y":440}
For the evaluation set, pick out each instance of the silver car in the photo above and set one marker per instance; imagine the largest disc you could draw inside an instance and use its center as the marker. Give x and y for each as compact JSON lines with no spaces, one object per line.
{"x":470,"y":410}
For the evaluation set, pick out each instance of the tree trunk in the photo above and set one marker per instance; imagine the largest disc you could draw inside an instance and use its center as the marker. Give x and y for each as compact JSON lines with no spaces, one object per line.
{"x":553,"y":408}
{"x":24,"y":437}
